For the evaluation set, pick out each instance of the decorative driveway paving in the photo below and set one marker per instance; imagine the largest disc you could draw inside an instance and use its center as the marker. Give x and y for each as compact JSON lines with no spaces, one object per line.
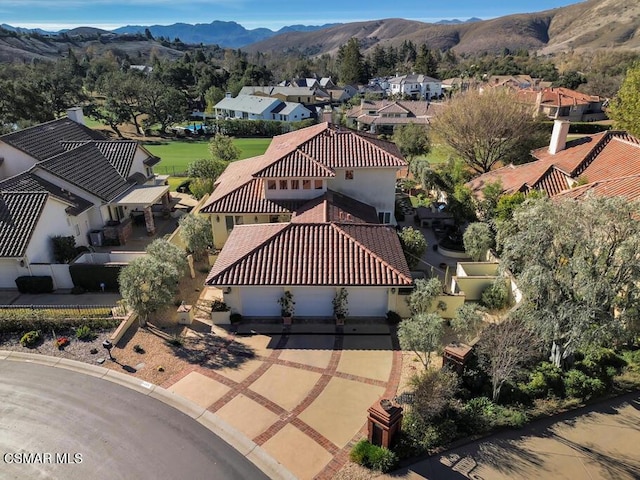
{"x":303,"y":398}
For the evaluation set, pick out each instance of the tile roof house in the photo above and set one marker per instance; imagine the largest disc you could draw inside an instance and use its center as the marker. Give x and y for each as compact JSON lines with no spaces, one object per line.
{"x":310,"y":216}
{"x":382,"y":116}
{"x":255,"y":107}
{"x":417,"y":86}
{"x":606,"y":163}
{"x":563,"y":104}
{"x":80,"y":183}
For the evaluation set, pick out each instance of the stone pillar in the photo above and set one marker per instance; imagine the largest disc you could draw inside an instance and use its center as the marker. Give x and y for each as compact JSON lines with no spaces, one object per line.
{"x":149,"y":222}
{"x":383,"y":423}
{"x":191,"y":269}
{"x":166,"y":200}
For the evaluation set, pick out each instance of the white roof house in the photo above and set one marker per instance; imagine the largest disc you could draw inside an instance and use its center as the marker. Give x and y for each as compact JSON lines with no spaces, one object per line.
{"x":253,"y":107}
{"x":417,"y":86}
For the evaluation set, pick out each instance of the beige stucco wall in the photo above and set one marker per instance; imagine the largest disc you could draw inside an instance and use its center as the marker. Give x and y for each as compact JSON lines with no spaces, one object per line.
{"x":474,"y":269}
{"x":219,"y":226}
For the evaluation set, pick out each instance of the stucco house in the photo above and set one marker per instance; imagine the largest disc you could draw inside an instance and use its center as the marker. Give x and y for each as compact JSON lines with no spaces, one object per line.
{"x":606,"y":163}
{"x":382,"y":116}
{"x":558,"y":103}
{"x":62,"y":178}
{"x":253,"y":107}
{"x":312,"y":215}
{"x":304,"y":95}
{"x":417,"y":86}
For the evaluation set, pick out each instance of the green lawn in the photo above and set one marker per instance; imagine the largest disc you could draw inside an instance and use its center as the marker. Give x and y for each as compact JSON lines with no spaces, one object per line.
{"x":177,"y":154}
{"x":438,"y":154}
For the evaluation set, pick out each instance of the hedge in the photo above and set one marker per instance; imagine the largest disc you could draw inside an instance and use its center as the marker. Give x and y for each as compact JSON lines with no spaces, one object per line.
{"x":35,"y":284}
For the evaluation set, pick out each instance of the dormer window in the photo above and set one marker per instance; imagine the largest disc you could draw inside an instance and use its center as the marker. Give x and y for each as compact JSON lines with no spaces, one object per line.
{"x":318,"y":184}
{"x":284,"y":185}
{"x":348,"y":174}
{"x":271,"y":184}
{"x":306,"y":184}
{"x":295,"y":184}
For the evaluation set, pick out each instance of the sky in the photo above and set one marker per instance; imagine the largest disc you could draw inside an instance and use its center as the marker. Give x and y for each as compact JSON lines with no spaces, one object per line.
{"x":274,"y":14}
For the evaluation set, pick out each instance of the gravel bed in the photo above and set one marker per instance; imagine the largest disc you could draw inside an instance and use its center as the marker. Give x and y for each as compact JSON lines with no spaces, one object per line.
{"x":79,"y":350}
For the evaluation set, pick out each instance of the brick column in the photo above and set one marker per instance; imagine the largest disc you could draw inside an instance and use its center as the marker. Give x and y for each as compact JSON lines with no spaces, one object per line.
{"x":148,"y":220}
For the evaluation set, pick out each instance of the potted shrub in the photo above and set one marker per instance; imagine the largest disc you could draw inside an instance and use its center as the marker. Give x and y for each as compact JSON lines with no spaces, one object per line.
{"x":287,"y":307}
{"x":340,"y":302}
{"x":220,"y":313}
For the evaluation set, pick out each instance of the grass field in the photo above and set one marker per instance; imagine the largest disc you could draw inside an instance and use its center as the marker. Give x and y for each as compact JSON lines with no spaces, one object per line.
{"x":177,"y":154}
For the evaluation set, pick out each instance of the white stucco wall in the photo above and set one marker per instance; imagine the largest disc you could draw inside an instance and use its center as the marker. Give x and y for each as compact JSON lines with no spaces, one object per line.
{"x":53,"y":221}
{"x":9,"y":271}
{"x":15,"y":161}
{"x":374,"y":186}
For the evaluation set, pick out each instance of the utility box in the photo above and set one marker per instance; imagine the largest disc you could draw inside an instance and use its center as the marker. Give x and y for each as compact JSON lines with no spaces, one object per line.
{"x":384,"y":422}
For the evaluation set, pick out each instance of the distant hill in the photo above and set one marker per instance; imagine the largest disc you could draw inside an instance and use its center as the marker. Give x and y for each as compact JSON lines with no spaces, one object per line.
{"x":225,"y":34}
{"x":455,"y":21}
{"x":592,"y":24}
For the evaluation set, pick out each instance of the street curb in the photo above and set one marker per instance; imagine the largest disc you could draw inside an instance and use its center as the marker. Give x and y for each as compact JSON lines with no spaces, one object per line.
{"x":237,"y":440}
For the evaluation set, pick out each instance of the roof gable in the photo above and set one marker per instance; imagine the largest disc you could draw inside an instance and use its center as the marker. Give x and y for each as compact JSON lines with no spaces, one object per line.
{"x":45,"y":140}
{"x":120,"y":153}
{"x":19,"y":215}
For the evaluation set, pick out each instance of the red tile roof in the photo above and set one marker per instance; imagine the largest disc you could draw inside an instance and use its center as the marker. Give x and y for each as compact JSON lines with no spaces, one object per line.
{"x":312,"y":152}
{"x":335,"y":207}
{"x":627,"y":187}
{"x":311,"y":254}
{"x":557,"y":96}
{"x":597,"y":157}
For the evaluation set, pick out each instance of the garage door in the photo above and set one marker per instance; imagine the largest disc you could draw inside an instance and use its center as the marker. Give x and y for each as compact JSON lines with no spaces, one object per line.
{"x":367,"y":302}
{"x":261,"y":301}
{"x":313,"y":301}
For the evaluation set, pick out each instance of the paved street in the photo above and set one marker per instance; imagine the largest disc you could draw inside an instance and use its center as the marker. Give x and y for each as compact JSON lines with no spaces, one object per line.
{"x":119,"y":433}
{"x":598,"y":442}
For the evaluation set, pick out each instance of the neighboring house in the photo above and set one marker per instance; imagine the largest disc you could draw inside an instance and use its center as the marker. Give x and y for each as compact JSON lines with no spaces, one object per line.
{"x":81,"y":185}
{"x":511,"y":81}
{"x":382,"y":116}
{"x":606,"y":163}
{"x":416,"y":86}
{"x":253,"y":107}
{"x":564,"y":104}
{"x":304,"y":95}
{"x":310,"y":217}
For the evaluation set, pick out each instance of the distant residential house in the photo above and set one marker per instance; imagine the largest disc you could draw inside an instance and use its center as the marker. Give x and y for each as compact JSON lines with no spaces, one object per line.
{"x":416,"y":86}
{"x":607,"y":164}
{"x":304,"y":95}
{"x":513,"y":81}
{"x":564,"y":104}
{"x":253,"y":107}
{"x":62,"y":178}
{"x":309,"y":217}
{"x":382,"y":116}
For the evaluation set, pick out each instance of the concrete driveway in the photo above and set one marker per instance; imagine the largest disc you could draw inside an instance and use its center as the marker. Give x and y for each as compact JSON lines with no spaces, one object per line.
{"x":597,"y":442}
{"x":303,"y":398}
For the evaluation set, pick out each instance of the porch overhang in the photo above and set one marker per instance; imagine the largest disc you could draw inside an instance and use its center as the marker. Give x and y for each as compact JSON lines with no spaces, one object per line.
{"x":142,"y":196}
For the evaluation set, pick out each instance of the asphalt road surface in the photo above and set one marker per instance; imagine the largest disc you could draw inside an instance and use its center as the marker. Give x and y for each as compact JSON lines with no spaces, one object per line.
{"x":59,"y":424}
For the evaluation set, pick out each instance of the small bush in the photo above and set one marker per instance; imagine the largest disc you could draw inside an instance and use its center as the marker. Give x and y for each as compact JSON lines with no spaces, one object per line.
{"x":496,"y":296}
{"x":61,"y":342}
{"x":544,"y":381}
{"x":85,"y":333}
{"x":602,"y":363}
{"x":175,"y":341}
{"x":580,"y":385}
{"x":393,"y":318}
{"x":235,"y":318}
{"x":373,"y":457}
{"x":219,"y":306}
{"x":30,"y":339}
{"x":138,"y":349}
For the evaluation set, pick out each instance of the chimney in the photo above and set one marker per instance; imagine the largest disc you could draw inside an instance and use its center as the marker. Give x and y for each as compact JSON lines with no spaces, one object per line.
{"x":228,"y":95}
{"x":559,"y":136}
{"x":75,"y":114}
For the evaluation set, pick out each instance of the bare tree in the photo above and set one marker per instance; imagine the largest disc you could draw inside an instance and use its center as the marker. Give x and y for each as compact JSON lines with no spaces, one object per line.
{"x":503,"y":349}
{"x":487,"y":127}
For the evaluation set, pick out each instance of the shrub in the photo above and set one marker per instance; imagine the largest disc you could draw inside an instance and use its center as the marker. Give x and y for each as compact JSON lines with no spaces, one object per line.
{"x":30,"y":339}
{"x":602,"y":363}
{"x":219,"y":306}
{"x":580,"y":385}
{"x":393,"y":318}
{"x":235,"y":318}
{"x":85,"y":333}
{"x":35,"y":284}
{"x":545,"y":380}
{"x":175,"y":341}
{"x":496,"y":296}
{"x":61,"y":342}
{"x":373,"y":457}
{"x":138,"y":349}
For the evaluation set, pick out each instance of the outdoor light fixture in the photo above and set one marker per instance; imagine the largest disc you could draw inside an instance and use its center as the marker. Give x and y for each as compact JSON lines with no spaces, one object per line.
{"x":218,"y":218}
{"x":393,"y":290}
{"x":256,"y":218}
{"x":108,"y":346}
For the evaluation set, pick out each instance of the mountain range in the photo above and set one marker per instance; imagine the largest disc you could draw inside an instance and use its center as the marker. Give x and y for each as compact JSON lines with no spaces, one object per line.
{"x":587,"y":25}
